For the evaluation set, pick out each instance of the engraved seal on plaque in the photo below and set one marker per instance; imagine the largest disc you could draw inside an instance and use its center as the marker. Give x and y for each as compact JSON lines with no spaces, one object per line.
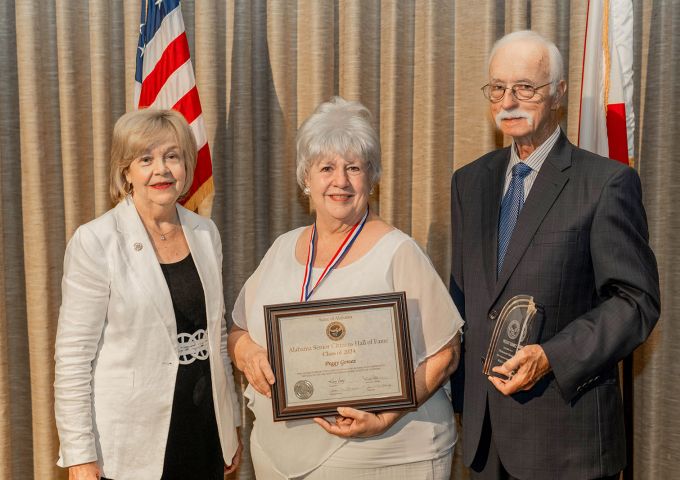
{"x":303,"y":389}
{"x":520,"y":321}
{"x":335,"y":331}
{"x":513,"y":329}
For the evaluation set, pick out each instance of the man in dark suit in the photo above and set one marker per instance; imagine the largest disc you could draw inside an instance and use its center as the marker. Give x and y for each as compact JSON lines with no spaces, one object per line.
{"x":547,"y":219}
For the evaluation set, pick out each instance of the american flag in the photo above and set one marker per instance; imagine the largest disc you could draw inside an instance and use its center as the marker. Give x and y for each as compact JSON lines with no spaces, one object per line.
{"x":164,"y":78}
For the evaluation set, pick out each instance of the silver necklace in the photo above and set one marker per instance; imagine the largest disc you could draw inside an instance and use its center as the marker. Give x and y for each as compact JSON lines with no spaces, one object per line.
{"x":164,"y":236}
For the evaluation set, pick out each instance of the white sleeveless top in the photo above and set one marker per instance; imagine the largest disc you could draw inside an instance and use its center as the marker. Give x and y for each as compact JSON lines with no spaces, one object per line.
{"x":395,"y":263}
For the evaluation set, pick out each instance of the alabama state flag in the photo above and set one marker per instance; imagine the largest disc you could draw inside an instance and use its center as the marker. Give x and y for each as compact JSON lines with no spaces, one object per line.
{"x":607,"y":120}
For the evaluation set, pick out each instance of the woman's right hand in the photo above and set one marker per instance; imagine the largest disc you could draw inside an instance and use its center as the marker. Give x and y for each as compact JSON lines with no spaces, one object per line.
{"x":257,"y":369}
{"x":84,"y":471}
{"x":252,"y":360}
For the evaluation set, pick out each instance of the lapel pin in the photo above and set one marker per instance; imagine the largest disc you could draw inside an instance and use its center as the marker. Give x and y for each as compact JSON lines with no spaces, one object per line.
{"x":138,"y":246}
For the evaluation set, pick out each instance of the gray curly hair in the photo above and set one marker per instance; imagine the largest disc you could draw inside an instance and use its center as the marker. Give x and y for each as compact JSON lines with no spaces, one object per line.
{"x":338,"y":127}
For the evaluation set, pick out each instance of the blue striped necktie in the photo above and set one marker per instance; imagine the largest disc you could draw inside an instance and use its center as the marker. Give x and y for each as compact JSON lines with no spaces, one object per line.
{"x":510,"y":207}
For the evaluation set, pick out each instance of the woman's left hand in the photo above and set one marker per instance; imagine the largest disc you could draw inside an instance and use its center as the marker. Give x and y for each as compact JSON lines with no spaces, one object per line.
{"x":235,"y":460}
{"x":353,"y":423}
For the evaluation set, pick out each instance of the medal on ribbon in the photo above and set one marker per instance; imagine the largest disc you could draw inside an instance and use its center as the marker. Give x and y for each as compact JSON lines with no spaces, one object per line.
{"x":337,"y":257}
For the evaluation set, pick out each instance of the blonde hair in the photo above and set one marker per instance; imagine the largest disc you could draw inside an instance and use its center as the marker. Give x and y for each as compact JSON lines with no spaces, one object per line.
{"x":135,"y":132}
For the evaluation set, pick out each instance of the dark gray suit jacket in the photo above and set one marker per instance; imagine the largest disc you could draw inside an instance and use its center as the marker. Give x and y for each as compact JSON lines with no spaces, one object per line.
{"x":580,"y":248}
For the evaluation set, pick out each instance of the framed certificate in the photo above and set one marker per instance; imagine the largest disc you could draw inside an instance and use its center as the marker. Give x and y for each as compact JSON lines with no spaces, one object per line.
{"x":353,"y":351}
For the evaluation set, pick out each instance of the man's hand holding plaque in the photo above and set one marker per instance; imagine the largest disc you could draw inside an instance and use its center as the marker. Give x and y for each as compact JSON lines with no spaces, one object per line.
{"x":514,"y":361}
{"x":522,"y":371}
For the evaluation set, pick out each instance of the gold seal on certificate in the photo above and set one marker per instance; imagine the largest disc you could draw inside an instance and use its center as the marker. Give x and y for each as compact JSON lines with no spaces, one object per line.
{"x":352,"y":351}
{"x":335,"y":331}
{"x":516,"y":326}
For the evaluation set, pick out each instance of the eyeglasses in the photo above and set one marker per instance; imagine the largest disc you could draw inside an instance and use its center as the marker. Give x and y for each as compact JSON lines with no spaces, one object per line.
{"x":521,"y":91}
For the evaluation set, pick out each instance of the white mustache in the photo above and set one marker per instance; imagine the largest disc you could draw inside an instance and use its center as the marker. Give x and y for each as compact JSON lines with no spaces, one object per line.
{"x":514,"y":113}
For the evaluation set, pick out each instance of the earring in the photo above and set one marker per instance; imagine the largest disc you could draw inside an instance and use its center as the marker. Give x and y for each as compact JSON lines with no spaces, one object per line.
{"x":306,"y":191}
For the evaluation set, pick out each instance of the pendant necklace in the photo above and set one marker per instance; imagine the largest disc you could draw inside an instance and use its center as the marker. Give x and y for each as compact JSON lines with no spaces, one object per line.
{"x":161,"y":235}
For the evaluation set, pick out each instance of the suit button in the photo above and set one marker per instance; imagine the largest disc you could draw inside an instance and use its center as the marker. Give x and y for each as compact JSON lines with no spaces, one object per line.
{"x":493,"y":314}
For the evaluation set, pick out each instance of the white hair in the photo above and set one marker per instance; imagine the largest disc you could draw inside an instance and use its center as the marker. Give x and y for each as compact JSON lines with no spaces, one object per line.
{"x":554,"y":55}
{"x":338,"y":127}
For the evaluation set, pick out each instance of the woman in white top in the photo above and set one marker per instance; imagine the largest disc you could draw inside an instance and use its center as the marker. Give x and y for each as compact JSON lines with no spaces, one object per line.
{"x":143,"y":384}
{"x":337,"y":167}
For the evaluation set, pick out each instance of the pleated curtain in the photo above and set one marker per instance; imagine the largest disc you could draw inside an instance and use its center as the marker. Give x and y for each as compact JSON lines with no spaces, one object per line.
{"x":66,"y":75}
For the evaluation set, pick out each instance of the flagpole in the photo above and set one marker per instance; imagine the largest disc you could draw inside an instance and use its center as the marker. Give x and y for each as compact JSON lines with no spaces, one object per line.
{"x":583,"y":70}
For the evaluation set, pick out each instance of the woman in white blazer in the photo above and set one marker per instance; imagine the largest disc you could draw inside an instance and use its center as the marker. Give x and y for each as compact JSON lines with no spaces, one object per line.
{"x":143,"y":381}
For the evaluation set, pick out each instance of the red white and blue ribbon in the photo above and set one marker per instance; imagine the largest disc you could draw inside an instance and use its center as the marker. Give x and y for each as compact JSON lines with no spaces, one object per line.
{"x":337,"y":258}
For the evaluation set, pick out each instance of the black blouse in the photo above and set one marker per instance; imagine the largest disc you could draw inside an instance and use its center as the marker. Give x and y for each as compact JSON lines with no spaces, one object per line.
{"x":193,"y":448}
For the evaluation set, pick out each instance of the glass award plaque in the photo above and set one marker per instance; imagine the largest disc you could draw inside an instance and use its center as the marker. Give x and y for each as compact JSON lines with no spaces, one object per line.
{"x":516,"y":327}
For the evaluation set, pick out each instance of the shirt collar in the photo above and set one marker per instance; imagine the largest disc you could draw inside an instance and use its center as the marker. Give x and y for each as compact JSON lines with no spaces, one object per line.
{"x":538,"y":156}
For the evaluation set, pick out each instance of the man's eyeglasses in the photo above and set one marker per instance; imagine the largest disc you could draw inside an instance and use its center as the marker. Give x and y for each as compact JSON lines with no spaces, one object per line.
{"x":521,"y":91}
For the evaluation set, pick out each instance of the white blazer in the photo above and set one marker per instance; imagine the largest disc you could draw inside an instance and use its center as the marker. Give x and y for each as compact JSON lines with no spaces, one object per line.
{"x":116,"y":347}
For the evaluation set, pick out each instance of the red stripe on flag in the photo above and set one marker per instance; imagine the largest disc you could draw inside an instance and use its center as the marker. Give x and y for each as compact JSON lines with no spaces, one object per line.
{"x":617,"y":133}
{"x":174,"y":56}
{"x":189,"y":105}
{"x":202,"y":173}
